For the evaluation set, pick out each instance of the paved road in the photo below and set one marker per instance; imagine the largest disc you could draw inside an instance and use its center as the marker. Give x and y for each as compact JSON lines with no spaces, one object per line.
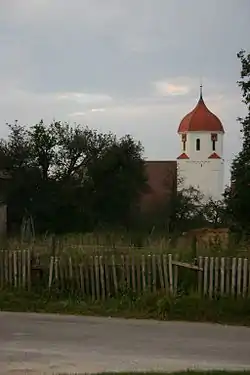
{"x":37,"y":343}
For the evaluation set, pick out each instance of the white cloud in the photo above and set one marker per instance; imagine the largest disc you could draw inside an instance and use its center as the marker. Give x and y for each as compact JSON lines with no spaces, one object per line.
{"x":98,"y":110}
{"x":84,"y":98}
{"x":165,"y":88}
{"x":77,"y":114}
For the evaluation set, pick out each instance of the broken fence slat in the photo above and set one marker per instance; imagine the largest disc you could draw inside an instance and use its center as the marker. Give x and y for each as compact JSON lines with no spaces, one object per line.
{"x":187,"y":265}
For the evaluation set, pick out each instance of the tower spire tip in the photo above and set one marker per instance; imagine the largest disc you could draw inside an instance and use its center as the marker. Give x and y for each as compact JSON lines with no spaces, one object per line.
{"x":201,"y":87}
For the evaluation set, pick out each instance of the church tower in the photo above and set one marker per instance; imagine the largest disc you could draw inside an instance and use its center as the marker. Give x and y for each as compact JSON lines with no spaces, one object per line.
{"x":200,"y":163}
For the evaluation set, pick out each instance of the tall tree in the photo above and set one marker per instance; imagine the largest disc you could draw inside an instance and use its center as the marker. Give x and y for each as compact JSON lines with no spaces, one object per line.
{"x":238,"y":196}
{"x":71,"y":178}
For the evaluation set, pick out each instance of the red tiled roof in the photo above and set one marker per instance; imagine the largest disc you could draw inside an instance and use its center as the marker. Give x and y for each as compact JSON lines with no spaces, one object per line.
{"x":183,"y":156}
{"x":200,"y":119}
{"x":214,"y":156}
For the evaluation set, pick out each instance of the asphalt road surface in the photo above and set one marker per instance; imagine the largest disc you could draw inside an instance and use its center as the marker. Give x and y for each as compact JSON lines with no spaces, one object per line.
{"x":49,"y":344}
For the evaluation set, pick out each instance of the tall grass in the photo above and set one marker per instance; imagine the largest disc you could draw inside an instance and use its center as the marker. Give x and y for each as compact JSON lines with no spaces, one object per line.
{"x":123,"y":242}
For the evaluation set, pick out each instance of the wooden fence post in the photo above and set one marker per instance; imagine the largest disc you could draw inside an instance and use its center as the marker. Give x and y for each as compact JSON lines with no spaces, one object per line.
{"x":245,"y":265}
{"x":170,"y":272}
{"x":233,"y":278}
{"x":114,"y":275}
{"x":222,"y":276}
{"x":211,"y":277}
{"x":51,"y":266}
{"x":200,"y":274}
{"x":205,"y":275}
{"x":239,"y":277}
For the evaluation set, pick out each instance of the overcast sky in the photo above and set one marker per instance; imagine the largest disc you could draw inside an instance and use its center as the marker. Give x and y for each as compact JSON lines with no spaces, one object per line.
{"x":129,"y":66}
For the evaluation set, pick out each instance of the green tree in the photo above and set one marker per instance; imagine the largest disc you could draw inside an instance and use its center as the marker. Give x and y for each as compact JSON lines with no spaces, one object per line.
{"x":71,"y":178}
{"x":237,"y":196}
{"x":187,"y":210}
{"x":215,"y":213}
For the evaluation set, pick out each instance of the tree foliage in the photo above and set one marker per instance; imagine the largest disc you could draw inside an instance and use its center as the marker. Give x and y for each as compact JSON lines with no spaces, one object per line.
{"x":238,"y":195}
{"x":70,"y":178}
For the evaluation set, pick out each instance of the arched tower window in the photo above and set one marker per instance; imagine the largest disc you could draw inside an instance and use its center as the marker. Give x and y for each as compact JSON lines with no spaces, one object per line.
{"x":184,"y":141}
{"x":214,"y":140}
{"x":198,"y":144}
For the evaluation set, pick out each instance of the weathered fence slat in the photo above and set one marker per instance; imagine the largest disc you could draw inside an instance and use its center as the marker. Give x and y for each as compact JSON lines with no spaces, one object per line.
{"x":97,"y":278}
{"x":239,"y":277}
{"x":15,"y":268}
{"x":82,"y":283}
{"x":56,"y":271}
{"x":159,"y":264}
{"x":122,"y":271}
{"x":244,"y":287}
{"x":70,"y":270}
{"x":100,"y":276}
{"x":138,"y":274}
{"x":143,"y":273}
{"x":133,"y":274}
{"x":128,"y":278}
{"x":233,"y":278}
{"x":29,"y":269}
{"x":19,"y":265}
{"x":222,"y":276}
{"x":24,"y":263}
{"x":170,"y":273}
{"x":248,"y":280}
{"x":149,"y":272}
{"x":175,"y":280}
{"x":200,"y":274}
{"x":154,"y":273}
{"x":1,"y":269}
{"x":6,"y":267}
{"x":61,"y":272}
{"x":216,"y":276}
{"x":103,"y":287}
{"x":51,"y":266}
{"x":107,"y":278}
{"x":165,"y":270}
{"x":92,"y":278}
{"x":205,"y":276}
{"x":86,"y":274}
{"x":114,"y":275}
{"x":228,"y":272}
{"x":211,"y":277}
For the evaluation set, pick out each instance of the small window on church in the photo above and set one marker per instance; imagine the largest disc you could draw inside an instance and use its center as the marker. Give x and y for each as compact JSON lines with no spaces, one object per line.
{"x":213,"y":144}
{"x":198,"y":144}
{"x":184,"y":146}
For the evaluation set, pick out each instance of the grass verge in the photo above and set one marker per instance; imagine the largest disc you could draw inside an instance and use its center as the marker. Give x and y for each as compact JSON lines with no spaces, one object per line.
{"x":127,"y":305}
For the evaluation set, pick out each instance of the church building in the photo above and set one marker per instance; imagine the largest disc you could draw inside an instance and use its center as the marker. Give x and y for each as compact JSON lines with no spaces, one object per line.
{"x":200,"y":163}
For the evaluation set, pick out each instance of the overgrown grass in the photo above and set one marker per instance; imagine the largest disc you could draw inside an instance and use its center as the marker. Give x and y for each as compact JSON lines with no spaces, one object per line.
{"x":123,"y":242}
{"x":128,"y":305}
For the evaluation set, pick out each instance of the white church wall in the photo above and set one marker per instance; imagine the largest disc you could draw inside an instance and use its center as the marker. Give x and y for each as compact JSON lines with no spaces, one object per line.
{"x":199,"y":171}
{"x":207,"y":176}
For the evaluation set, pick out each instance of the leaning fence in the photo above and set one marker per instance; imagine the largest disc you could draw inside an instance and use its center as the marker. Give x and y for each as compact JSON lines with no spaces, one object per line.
{"x":102,"y":276}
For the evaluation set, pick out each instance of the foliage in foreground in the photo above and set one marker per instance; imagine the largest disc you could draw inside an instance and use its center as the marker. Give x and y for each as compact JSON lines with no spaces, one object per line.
{"x":70,"y":177}
{"x":128,"y":305}
{"x":237,"y":198}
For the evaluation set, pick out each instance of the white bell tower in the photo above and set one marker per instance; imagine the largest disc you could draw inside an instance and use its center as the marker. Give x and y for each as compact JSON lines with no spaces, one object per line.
{"x":200,"y":163}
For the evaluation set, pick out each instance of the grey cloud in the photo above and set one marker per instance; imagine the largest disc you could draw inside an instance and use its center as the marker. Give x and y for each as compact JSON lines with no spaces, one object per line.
{"x":120,"y":49}
{"x":80,"y":44}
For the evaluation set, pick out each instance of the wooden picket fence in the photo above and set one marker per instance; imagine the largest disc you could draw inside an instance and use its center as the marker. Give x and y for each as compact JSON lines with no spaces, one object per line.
{"x":15,"y":269}
{"x":102,"y":276}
